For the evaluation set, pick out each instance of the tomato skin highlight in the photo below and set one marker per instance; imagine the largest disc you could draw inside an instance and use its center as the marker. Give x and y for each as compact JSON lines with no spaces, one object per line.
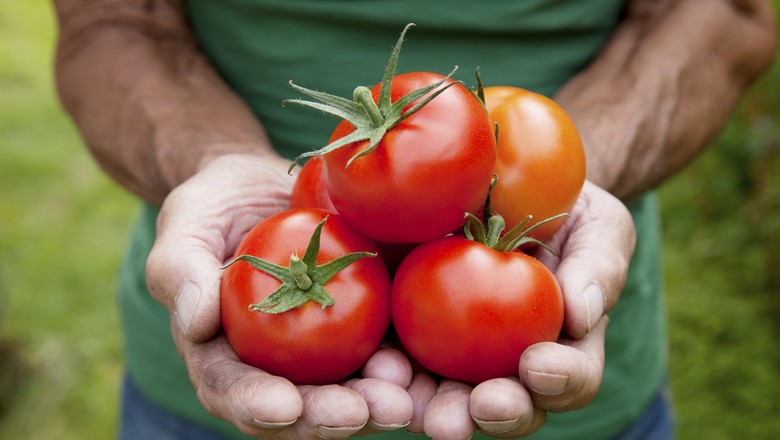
{"x":424,"y":175}
{"x":541,"y":159}
{"x":467,"y":312}
{"x":307,"y":345}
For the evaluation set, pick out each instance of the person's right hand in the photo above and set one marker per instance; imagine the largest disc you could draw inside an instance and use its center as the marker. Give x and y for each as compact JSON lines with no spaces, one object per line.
{"x":199,"y":227}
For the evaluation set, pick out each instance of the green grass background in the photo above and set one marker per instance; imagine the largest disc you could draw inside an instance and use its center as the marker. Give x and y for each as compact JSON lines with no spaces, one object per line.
{"x":63,"y":225}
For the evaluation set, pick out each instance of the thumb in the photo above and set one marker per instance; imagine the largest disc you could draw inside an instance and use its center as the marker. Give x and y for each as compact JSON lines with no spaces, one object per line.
{"x":183,"y":273}
{"x":595,"y":259}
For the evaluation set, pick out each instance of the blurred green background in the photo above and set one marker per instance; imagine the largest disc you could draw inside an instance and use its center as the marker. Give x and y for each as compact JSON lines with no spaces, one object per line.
{"x":63,"y":226}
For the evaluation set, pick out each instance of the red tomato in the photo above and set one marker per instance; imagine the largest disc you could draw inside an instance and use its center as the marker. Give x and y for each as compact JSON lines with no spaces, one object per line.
{"x":427,"y":171}
{"x":309,"y":190}
{"x":467,"y":312}
{"x":541,"y":160}
{"x":308,"y":344}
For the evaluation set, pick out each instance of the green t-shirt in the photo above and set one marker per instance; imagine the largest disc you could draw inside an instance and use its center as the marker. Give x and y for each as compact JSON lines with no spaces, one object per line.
{"x":334,"y":45}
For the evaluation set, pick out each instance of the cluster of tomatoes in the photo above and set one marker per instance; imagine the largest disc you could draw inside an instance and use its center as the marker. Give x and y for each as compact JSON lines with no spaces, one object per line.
{"x":395,"y":222}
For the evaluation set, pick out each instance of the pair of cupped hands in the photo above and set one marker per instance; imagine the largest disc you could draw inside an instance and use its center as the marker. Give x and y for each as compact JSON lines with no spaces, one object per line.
{"x":199,"y":227}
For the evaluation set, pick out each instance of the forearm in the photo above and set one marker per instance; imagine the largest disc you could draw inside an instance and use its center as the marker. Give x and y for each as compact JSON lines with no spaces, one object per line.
{"x":148,"y":104}
{"x":664,"y":86}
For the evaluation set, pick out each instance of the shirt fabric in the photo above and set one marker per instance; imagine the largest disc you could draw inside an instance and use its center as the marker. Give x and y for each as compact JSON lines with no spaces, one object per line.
{"x":258,"y":46}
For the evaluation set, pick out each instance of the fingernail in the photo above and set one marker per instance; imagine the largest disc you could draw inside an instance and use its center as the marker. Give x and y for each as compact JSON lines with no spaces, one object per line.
{"x":595,"y":300}
{"x":337,"y":432}
{"x":546,"y":383}
{"x":387,"y":426}
{"x":272,"y":425}
{"x":498,"y":427}
{"x":186,"y":303}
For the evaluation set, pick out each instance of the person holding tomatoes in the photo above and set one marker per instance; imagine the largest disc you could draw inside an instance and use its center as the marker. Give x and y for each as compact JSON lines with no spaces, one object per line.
{"x":180,"y":102}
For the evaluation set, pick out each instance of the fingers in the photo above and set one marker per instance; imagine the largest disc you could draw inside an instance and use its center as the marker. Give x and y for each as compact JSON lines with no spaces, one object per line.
{"x":447,"y":416}
{"x":565,"y":377}
{"x":199,"y":226}
{"x":185,"y":277}
{"x":389,"y":406}
{"x":421,"y":390}
{"x":262,"y":405}
{"x":391,"y":365}
{"x":330,"y":411}
{"x":594,"y":259}
{"x":502,"y":408}
{"x":183,"y":267}
{"x":386,"y":376}
{"x":556,"y":377}
{"x":257,"y":403}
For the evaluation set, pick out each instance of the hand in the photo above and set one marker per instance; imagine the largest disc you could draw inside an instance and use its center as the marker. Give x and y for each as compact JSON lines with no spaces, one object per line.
{"x":199,"y":227}
{"x":593,"y":251}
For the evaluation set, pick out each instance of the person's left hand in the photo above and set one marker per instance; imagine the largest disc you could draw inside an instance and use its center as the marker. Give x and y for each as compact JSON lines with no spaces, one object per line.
{"x":593,"y":251}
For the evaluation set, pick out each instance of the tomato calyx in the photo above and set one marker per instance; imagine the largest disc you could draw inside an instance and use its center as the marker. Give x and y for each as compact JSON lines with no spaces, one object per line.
{"x":370,"y":119}
{"x":491,"y":231}
{"x":304,"y":280}
{"x":480,"y":94}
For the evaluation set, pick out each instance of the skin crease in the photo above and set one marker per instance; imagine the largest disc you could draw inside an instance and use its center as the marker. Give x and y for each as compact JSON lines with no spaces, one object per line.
{"x":162,"y":123}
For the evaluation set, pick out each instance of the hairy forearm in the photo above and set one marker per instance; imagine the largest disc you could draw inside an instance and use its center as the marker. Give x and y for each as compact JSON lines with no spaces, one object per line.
{"x":664,"y":86}
{"x":149,"y":106}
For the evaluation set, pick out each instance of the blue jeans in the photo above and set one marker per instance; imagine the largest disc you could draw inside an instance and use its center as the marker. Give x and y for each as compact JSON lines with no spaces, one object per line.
{"x":143,"y":420}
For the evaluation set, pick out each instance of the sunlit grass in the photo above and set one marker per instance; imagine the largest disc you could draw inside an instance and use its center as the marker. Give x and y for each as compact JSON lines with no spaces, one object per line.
{"x":62,"y":229}
{"x":722,"y":244}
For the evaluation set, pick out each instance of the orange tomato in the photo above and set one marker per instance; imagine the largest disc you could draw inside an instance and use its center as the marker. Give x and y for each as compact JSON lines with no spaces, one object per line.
{"x":541,"y":159}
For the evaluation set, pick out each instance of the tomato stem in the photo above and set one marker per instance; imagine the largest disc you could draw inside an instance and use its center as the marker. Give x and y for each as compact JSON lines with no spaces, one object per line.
{"x":298,"y":270}
{"x":371,"y":120}
{"x":495,"y":226}
{"x":304,"y":280}
{"x":362,"y":96}
{"x":489,"y":232}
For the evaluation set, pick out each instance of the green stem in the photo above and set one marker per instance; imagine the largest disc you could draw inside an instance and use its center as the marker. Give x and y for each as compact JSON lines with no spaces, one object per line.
{"x":299,"y":270}
{"x":495,"y":226}
{"x":371,"y":120}
{"x":362,"y":96}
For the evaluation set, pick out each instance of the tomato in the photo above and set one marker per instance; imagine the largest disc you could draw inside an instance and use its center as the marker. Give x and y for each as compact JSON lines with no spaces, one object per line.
{"x":468,"y":311}
{"x":541,"y":160}
{"x":310,"y":343}
{"x":425,"y":174}
{"x":410,"y":157}
{"x":309,"y":190}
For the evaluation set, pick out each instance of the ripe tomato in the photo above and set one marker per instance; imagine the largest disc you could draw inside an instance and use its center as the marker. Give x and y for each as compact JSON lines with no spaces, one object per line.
{"x":467,"y":311}
{"x":308,"y":344}
{"x":541,"y":160}
{"x":411,"y":155}
{"x":427,"y":171}
{"x":309,"y":190}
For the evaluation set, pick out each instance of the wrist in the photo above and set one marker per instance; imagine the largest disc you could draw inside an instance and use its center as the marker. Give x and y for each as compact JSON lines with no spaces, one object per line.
{"x":239,"y":150}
